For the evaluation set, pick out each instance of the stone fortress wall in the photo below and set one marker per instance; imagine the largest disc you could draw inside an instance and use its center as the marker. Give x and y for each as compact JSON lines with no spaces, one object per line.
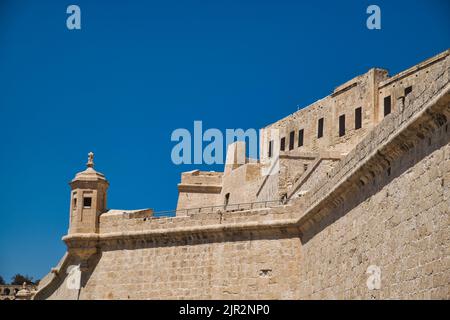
{"x":377,"y":195}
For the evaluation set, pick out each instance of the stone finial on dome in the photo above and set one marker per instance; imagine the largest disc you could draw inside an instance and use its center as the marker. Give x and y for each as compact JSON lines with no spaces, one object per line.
{"x":89,"y":174}
{"x":90,"y":163}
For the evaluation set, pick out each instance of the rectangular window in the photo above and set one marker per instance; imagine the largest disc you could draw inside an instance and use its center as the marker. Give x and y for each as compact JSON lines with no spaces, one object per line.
{"x":227,"y":199}
{"x":408,"y":90}
{"x":74,"y":206}
{"x":387,"y":105}
{"x":341,"y":125}
{"x":320,"y":128}
{"x":283,"y":144}
{"x":300,"y":138}
{"x":291,"y":140}
{"x":358,"y":118}
{"x":270,"y":148}
{"x":87,"y":202}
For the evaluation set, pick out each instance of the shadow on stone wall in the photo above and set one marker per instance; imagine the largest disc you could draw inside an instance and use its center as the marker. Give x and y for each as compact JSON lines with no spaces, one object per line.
{"x":358,"y":194}
{"x":199,"y":238}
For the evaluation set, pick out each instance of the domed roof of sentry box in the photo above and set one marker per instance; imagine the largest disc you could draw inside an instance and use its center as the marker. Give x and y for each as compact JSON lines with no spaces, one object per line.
{"x":89,"y":174}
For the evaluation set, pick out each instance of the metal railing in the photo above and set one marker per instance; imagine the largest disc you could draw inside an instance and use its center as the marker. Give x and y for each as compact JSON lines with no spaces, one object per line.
{"x":222,"y":208}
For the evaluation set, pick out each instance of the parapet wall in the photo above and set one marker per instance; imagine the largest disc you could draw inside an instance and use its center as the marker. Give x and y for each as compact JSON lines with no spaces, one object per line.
{"x":414,"y":78}
{"x":199,"y":188}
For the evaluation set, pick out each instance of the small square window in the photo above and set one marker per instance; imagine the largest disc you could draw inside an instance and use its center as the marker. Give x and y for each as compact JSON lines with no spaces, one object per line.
{"x":270,"y":148}
{"x":387,"y":105}
{"x":358,"y":118}
{"x":341,"y":125}
{"x":87,"y":202}
{"x":320,"y":128}
{"x":300,"y":138}
{"x":408,"y":90}
{"x":291,"y":140}
{"x":227,"y":199}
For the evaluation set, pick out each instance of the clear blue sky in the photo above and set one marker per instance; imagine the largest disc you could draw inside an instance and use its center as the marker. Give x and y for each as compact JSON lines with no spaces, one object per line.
{"x":140,"y":69}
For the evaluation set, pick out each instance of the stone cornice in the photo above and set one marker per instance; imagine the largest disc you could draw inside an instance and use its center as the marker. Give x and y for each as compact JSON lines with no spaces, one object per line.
{"x":94,"y":239}
{"x":413,"y":69}
{"x":182,"y":187}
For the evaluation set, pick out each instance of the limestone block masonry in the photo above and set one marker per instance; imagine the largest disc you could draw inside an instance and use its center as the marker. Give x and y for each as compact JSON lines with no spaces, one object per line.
{"x":363,"y":183}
